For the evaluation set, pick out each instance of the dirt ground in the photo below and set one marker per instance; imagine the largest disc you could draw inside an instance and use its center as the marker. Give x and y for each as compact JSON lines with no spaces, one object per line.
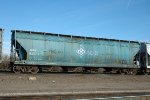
{"x":61,"y":82}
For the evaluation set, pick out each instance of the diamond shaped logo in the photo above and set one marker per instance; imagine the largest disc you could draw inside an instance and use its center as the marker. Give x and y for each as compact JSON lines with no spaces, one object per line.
{"x":81,"y":52}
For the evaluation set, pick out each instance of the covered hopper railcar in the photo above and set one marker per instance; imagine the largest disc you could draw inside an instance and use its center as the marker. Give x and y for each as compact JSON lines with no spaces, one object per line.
{"x":31,"y":51}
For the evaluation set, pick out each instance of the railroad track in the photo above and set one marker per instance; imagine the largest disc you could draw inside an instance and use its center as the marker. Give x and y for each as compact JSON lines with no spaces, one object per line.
{"x":95,"y":95}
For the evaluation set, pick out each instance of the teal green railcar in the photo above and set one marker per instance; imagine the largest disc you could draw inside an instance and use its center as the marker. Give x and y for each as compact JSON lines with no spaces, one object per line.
{"x":31,"y":51}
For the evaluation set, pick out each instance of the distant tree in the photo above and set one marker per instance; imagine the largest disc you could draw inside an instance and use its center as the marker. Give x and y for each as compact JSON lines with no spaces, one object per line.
{"x":5,"y":65}
{"x":5,"y":57}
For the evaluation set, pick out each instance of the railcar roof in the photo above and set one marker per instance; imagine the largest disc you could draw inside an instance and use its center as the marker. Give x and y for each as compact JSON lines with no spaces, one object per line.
{"x":72,"y":36}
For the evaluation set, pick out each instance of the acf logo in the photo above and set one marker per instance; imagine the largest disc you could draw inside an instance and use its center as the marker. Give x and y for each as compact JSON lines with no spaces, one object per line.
{"x":81,"y":51}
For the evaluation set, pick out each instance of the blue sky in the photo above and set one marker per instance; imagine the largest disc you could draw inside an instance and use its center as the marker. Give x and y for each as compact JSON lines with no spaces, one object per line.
{"x":118,"y":19}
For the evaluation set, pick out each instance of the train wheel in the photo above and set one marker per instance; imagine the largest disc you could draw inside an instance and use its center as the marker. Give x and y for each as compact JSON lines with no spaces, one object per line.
{"x":148,"y":71}
{"x":17,"y":69}
{"x":34,"y":70}
{"x":145,"y":72}
{"x":133,"y":71}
